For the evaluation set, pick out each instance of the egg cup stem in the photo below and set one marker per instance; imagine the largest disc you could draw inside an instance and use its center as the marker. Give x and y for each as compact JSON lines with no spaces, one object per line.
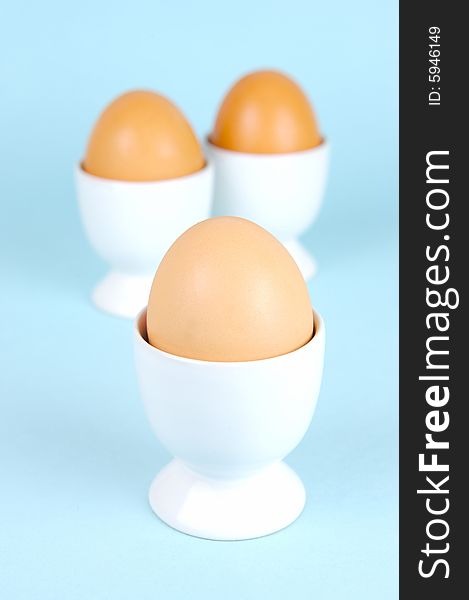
{"x":122,"y":294}
{"x":227,"y":509}
{"x":303,"y":258}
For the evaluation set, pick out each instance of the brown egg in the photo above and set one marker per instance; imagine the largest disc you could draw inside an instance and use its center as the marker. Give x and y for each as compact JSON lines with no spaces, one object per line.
{"x":226,"y":291}
{"x":142,"y":136}
{"x":266,"y":112}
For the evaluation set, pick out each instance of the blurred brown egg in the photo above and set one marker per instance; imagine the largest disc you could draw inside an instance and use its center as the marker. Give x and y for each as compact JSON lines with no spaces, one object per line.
{"x":226,"y":291}
{"x":142,"y":136}
{"x":266,"y":112}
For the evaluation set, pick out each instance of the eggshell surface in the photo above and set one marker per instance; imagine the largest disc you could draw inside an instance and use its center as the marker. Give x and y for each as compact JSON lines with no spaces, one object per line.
{"x":142,"y":136}
{"x":227,"y":290}
{"x":266,"y":112}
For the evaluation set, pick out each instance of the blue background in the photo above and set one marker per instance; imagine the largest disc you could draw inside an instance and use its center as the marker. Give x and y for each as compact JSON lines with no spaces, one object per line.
{"x":76,"y":453}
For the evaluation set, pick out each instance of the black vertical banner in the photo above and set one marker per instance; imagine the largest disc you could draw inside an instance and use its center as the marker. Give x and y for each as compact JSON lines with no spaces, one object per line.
{"x":434,"y":259}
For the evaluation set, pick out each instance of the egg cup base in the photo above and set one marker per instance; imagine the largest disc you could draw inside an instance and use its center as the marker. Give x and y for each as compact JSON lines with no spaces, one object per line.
{"x":227,"y":509}
{"x":122,"y":294}
{"x":303,"y":258}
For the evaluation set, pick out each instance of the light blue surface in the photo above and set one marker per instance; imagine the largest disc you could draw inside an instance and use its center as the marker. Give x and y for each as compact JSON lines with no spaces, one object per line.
{"x":76,"y":453}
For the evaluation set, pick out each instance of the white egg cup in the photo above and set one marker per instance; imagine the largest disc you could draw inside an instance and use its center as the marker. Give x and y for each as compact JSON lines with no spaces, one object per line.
{"x":281,"y":192}
{"x":229,"y":425}
{"x":131,"y":225}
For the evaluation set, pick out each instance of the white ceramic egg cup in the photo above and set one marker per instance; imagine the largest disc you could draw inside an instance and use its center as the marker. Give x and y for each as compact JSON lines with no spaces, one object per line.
{"x":132,"y":224}
{"x":281,"y":192}
{"x":229,"y":425}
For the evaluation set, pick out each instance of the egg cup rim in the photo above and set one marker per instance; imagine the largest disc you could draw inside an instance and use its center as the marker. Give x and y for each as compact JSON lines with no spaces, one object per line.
{"x":207,"y":167}
{"x":324,"y":143}
{"x":140,"y":336}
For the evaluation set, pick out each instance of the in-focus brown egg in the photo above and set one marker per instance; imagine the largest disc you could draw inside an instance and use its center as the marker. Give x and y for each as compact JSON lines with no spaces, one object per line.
{"x":142,"y":136}
{"x":227,"y":290}
{"x":266,"y":112}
